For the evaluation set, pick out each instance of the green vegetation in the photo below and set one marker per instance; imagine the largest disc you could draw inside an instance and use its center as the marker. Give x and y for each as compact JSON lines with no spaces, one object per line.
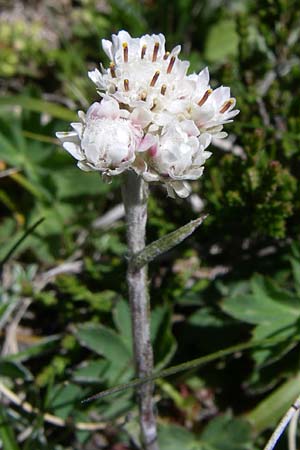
{"x":64,"y":317}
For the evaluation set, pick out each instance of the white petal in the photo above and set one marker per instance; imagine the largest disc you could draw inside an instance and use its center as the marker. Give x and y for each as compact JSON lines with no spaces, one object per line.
{"x":148,"y":141}
{"x":182,"y":189}
{"x":74,"y":150}
{"x":220,"y":95}
{"x":141,"y":117}
{"x":97,"y":78}
{"x":150,"y":176}
{"x":107,"y":109}
{"x":176,"y":50}
{"x":92,"y":153}
{"x":107,"y":47}
{"x":189,"y":127}
{"x":203,"y":76}
{"x":83,"y":166}
{"x":221,"y":135}
{"x":64,"y":136}
{"x":78,"y":127}
{"x":170,"y":191}
{"x":81,"y":116}
{"x":205,"y":140}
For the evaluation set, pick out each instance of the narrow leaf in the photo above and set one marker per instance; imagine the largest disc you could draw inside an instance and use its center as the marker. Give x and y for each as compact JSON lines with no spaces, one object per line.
{"x":193,"y":364}
{"x":41,"y":106}
{"x":271,"y":409}
{"x":40,"y":137}
{"x":165,"y":243}
{"x":7,"y":436}
{"x":29,"y":231}
{"x":45,"y":345}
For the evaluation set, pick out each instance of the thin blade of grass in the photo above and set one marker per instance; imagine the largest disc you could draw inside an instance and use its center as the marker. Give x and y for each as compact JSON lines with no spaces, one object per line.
{"x":29,"y":231}
{"x":193,"y":364}
{"x":41,"y":106}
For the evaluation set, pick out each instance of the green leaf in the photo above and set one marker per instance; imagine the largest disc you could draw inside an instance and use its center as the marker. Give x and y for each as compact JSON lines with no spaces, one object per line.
{"x":225,"y":433}
{"x":173,"y":437}
{"x":14,"y":370}
{"x":267,"y":413}
{"x":296,"y":273}
{"x":41,"y":106}
{"x":222,"y":41}
{"x":7,"y":435}
{"x":45,"y":345}
{"x":122,"y":319}
{"x":103,"y":341}
{"x":274,"y":311}
{"x":260,"y":308}
{"x":106,"y":342}
{"x":91,"y":372}
{"x":163,"y":341}
{"x":63,"y":398}
{"x":205,"y":317}
{"x":71,"y":183}
{"x":222,"y":433}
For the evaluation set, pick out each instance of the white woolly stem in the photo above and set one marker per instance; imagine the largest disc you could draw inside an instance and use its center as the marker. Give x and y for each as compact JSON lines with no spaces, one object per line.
{"x":135,"y":196}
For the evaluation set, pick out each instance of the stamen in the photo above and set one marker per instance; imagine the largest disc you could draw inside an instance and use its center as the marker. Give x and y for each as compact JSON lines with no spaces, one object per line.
{"x":166,"y":55}
{"x":143,"y":52}
{"x":153,"y":105}
{"x":154,"y":79}
{"x":226,"y":105}
{"x":112,"y":67}
{"x":126,"y":85}
{"x":143,"y":95}
{"x":171,"y":64}
{"x":125,"y":51}
{"x":155,"y":51}
{"x":205,"y":97}
{"x":163,"y":89}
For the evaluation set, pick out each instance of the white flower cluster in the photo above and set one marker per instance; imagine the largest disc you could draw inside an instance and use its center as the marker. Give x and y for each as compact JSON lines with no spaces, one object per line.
{"x":152,"y":118}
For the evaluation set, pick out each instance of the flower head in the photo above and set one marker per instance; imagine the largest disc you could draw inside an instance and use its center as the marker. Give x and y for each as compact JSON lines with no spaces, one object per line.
{"x":106,"y":138}
{"x":178,"y":156}
{"x":153,"y":117}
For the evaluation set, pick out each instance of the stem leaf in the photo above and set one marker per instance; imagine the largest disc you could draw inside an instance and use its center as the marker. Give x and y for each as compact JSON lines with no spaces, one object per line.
{"x":165,"y":243}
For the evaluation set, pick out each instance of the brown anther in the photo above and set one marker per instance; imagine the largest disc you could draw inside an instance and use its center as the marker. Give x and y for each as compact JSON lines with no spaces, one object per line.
{"x":112,"y":67}
{"x":126,"y":85}
{"x":154,"y":79}
{"x":166,"y":55}
{"x":205,"y":97}
{"x":143,"y":95}
{"x":155,"y":51}
{"x":125,"y":51}
{"x":171,"y":64}
{"x":143,"y":51}
{"x":153,"y":105}
{"x":226,"y":105}
{"x":163,"y":89}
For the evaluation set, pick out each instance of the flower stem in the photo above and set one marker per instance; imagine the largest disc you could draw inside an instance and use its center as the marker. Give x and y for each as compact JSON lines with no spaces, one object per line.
{"x":135,"y":196}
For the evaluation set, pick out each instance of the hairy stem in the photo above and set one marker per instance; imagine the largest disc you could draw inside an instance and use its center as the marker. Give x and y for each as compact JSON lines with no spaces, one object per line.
{"x":135,"y":196}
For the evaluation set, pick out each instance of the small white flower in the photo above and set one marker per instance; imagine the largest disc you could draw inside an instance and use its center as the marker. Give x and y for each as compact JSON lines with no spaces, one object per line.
{"x":179,"y":155}
{"x":209,"y":109}
{"x":107,"y":137}
{"x":141,"y":71}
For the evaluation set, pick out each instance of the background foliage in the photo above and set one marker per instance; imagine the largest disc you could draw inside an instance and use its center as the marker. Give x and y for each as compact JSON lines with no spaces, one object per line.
{"x":64,"y":319}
